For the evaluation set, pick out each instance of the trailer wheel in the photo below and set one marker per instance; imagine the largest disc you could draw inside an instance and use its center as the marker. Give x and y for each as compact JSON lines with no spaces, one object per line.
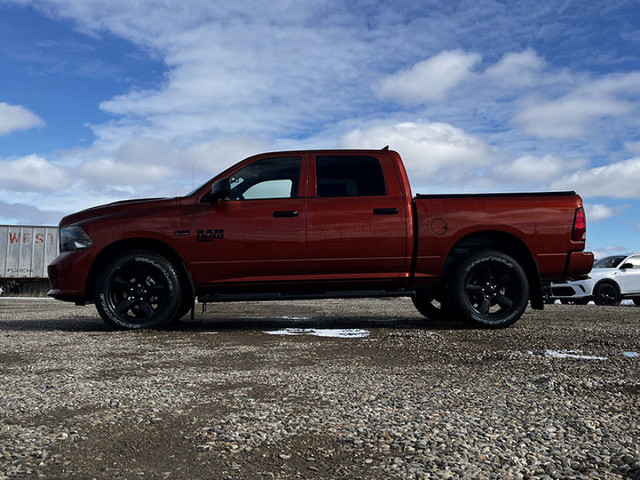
{"x":490,"y":289}
{"x":138,"y":290}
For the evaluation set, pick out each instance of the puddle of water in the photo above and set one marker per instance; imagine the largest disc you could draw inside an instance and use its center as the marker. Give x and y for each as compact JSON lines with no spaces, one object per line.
{"x":322,"y":332}
{"x":575,"y":354}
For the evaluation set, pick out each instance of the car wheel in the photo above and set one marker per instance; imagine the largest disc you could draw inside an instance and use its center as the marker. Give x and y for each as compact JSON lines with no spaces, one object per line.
{"x":4,"y":289}
{"x":138,"y":290}
{"x":433,"y":305}
{"x":491,"y":289}
{"x":637,"y":301}
{"x":606,"y":294}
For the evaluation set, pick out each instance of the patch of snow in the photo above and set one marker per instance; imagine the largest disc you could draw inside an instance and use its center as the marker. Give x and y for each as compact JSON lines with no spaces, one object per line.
{"x":575,"y":354}
{"x":322,"y":332}
{"x":631,"y":354}
{"x":209,"y":333}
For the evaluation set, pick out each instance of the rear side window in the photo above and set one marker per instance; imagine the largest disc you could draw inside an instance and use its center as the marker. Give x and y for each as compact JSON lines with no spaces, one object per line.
{"x":349,"y":176}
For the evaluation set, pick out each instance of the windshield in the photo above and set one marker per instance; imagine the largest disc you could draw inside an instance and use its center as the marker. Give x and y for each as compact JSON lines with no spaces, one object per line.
{"x":609,"y":262}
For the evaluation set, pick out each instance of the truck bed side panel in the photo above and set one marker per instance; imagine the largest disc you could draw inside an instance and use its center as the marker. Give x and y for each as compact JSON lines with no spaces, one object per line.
{"x":542,"y":222}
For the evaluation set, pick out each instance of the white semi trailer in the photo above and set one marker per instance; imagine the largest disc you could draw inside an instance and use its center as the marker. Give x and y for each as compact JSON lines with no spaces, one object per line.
{"x":25,"y":252}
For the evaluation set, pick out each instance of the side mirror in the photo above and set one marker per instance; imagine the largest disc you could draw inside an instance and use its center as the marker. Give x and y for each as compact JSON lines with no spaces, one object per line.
{"x":219,"y":190}
{"x":626,"y":265}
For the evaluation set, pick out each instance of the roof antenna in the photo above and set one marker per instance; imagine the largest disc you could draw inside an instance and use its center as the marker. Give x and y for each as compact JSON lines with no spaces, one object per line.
{"x":385,"y":148}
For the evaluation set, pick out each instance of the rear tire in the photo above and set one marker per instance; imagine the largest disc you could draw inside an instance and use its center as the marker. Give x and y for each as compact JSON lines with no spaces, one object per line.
{"x":433,"y":305}
{"x":637,"y":301}
{"x":490,"y":289}
{"x":138,"y":290}
{"x":606,"y":293}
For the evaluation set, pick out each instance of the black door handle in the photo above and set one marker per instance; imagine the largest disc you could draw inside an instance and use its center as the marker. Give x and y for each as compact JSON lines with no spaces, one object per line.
{"x":385,"y":211}
{"x":285,"y":213}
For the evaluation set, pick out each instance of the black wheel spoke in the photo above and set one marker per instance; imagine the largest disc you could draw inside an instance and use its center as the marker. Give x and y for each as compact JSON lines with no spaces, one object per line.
{"x":141,"y":273}
{"x":505,"y":280}
{"x":121,"y":283}
{"x":473,"y":288}
{"x":146,"y":308}
{"x":504,"y":302}
{"x":124,"y":306}
{"x":157,"y":290}
{"x":483,"y":308}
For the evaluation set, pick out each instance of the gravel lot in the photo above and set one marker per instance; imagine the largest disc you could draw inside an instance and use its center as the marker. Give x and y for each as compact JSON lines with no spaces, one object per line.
{"x":362,"y":389}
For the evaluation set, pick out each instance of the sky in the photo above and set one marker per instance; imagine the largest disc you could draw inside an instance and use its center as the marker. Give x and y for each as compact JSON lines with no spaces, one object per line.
{"x":115,"y":99}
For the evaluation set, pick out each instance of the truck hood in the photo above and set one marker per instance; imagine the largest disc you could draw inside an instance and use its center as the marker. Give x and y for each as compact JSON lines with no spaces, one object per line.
{"x":137,"y":206}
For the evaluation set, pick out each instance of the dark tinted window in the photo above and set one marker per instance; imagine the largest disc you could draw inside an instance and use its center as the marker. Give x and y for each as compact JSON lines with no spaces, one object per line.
{"x":349,"y":176}
{"x":609,"y":262}
{"x":268,"y":178}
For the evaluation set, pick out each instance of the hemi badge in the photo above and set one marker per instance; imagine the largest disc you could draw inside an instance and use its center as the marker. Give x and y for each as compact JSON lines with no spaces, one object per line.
{"x":181,"y":233}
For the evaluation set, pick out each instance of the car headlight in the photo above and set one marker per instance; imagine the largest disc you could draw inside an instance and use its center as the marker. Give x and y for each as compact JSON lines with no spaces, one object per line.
{"x":74,"y":238}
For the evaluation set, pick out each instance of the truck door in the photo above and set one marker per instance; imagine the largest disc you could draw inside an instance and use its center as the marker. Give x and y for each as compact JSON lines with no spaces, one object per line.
{"x":257,"y":234}
{"x":630,"y":278}
{"x":357,"y":220}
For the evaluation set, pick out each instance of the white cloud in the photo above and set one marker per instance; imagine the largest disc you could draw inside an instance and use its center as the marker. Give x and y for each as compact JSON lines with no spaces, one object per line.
{"x":569,"y":116}
{"x":573,"y":114}
{"x":598,"y":212}
{"x":429,"y":80}
{"x":522,"y":69}
{"x":530,"y":169}
{"x":617,"y":180}
{"x":106,"y":172}
{"x":15,"y":117}
{"x":32,"y":174}
{"x":428,"y":149}
{"x":21,"y":213}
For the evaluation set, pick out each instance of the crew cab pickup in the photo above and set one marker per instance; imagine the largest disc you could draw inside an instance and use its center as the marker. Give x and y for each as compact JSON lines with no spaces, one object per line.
{"x":320,"y":224}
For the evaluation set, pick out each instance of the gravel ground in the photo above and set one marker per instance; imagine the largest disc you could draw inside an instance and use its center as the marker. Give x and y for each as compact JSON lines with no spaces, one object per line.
{"x":362,"y":389}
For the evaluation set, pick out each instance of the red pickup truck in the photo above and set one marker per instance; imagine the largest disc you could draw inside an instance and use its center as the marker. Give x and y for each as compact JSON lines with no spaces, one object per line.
{"x":320,"y":224}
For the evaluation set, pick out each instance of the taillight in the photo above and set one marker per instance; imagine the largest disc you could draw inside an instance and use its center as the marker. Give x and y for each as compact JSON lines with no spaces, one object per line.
{"x":579,"y":226}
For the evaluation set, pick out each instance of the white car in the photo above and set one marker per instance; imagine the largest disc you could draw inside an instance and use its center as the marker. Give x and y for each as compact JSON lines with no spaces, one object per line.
{"x":611,"y":280}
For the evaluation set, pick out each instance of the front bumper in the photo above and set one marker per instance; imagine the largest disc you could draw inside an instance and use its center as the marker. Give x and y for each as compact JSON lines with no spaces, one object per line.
{"x":580,"y":289}
{"x":68,"y":275}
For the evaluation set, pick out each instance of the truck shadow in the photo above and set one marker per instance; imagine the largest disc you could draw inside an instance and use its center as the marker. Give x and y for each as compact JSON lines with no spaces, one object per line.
{"x":222,"y":323}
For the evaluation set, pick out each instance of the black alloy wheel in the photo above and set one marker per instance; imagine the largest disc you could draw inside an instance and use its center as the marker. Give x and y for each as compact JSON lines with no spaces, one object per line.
{"x":491,"y":289}
{"x":606,"y":293}
{"x":138,"y":290}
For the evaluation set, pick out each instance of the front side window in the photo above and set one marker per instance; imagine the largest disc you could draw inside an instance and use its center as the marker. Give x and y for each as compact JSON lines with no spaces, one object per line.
{"x":349,"y":176}
{"x":609,"y":262}
{"x":268,"y":178}
{"x":635,"y":261}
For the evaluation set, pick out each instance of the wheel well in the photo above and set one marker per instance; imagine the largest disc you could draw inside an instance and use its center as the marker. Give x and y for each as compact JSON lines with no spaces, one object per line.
{"x":148,"y":245}
{"x":505,"y":243}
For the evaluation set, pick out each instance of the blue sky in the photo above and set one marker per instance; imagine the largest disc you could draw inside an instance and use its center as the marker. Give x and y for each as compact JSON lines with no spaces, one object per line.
{"x":106,"y":100}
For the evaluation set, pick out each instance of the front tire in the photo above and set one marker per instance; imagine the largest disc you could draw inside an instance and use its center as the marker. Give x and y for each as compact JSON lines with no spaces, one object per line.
{"x":138,"y":290}
{"x":637,"y":301}
{"x":606,"y":293}
{"x":490,"y":289}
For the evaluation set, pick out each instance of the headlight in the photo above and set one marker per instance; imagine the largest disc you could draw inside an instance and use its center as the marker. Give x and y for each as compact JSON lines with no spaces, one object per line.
{"x":74,"y":238}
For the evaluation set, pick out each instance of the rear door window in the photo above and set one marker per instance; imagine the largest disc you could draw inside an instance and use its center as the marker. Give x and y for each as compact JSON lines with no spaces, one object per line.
{"x":349,"y":176}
